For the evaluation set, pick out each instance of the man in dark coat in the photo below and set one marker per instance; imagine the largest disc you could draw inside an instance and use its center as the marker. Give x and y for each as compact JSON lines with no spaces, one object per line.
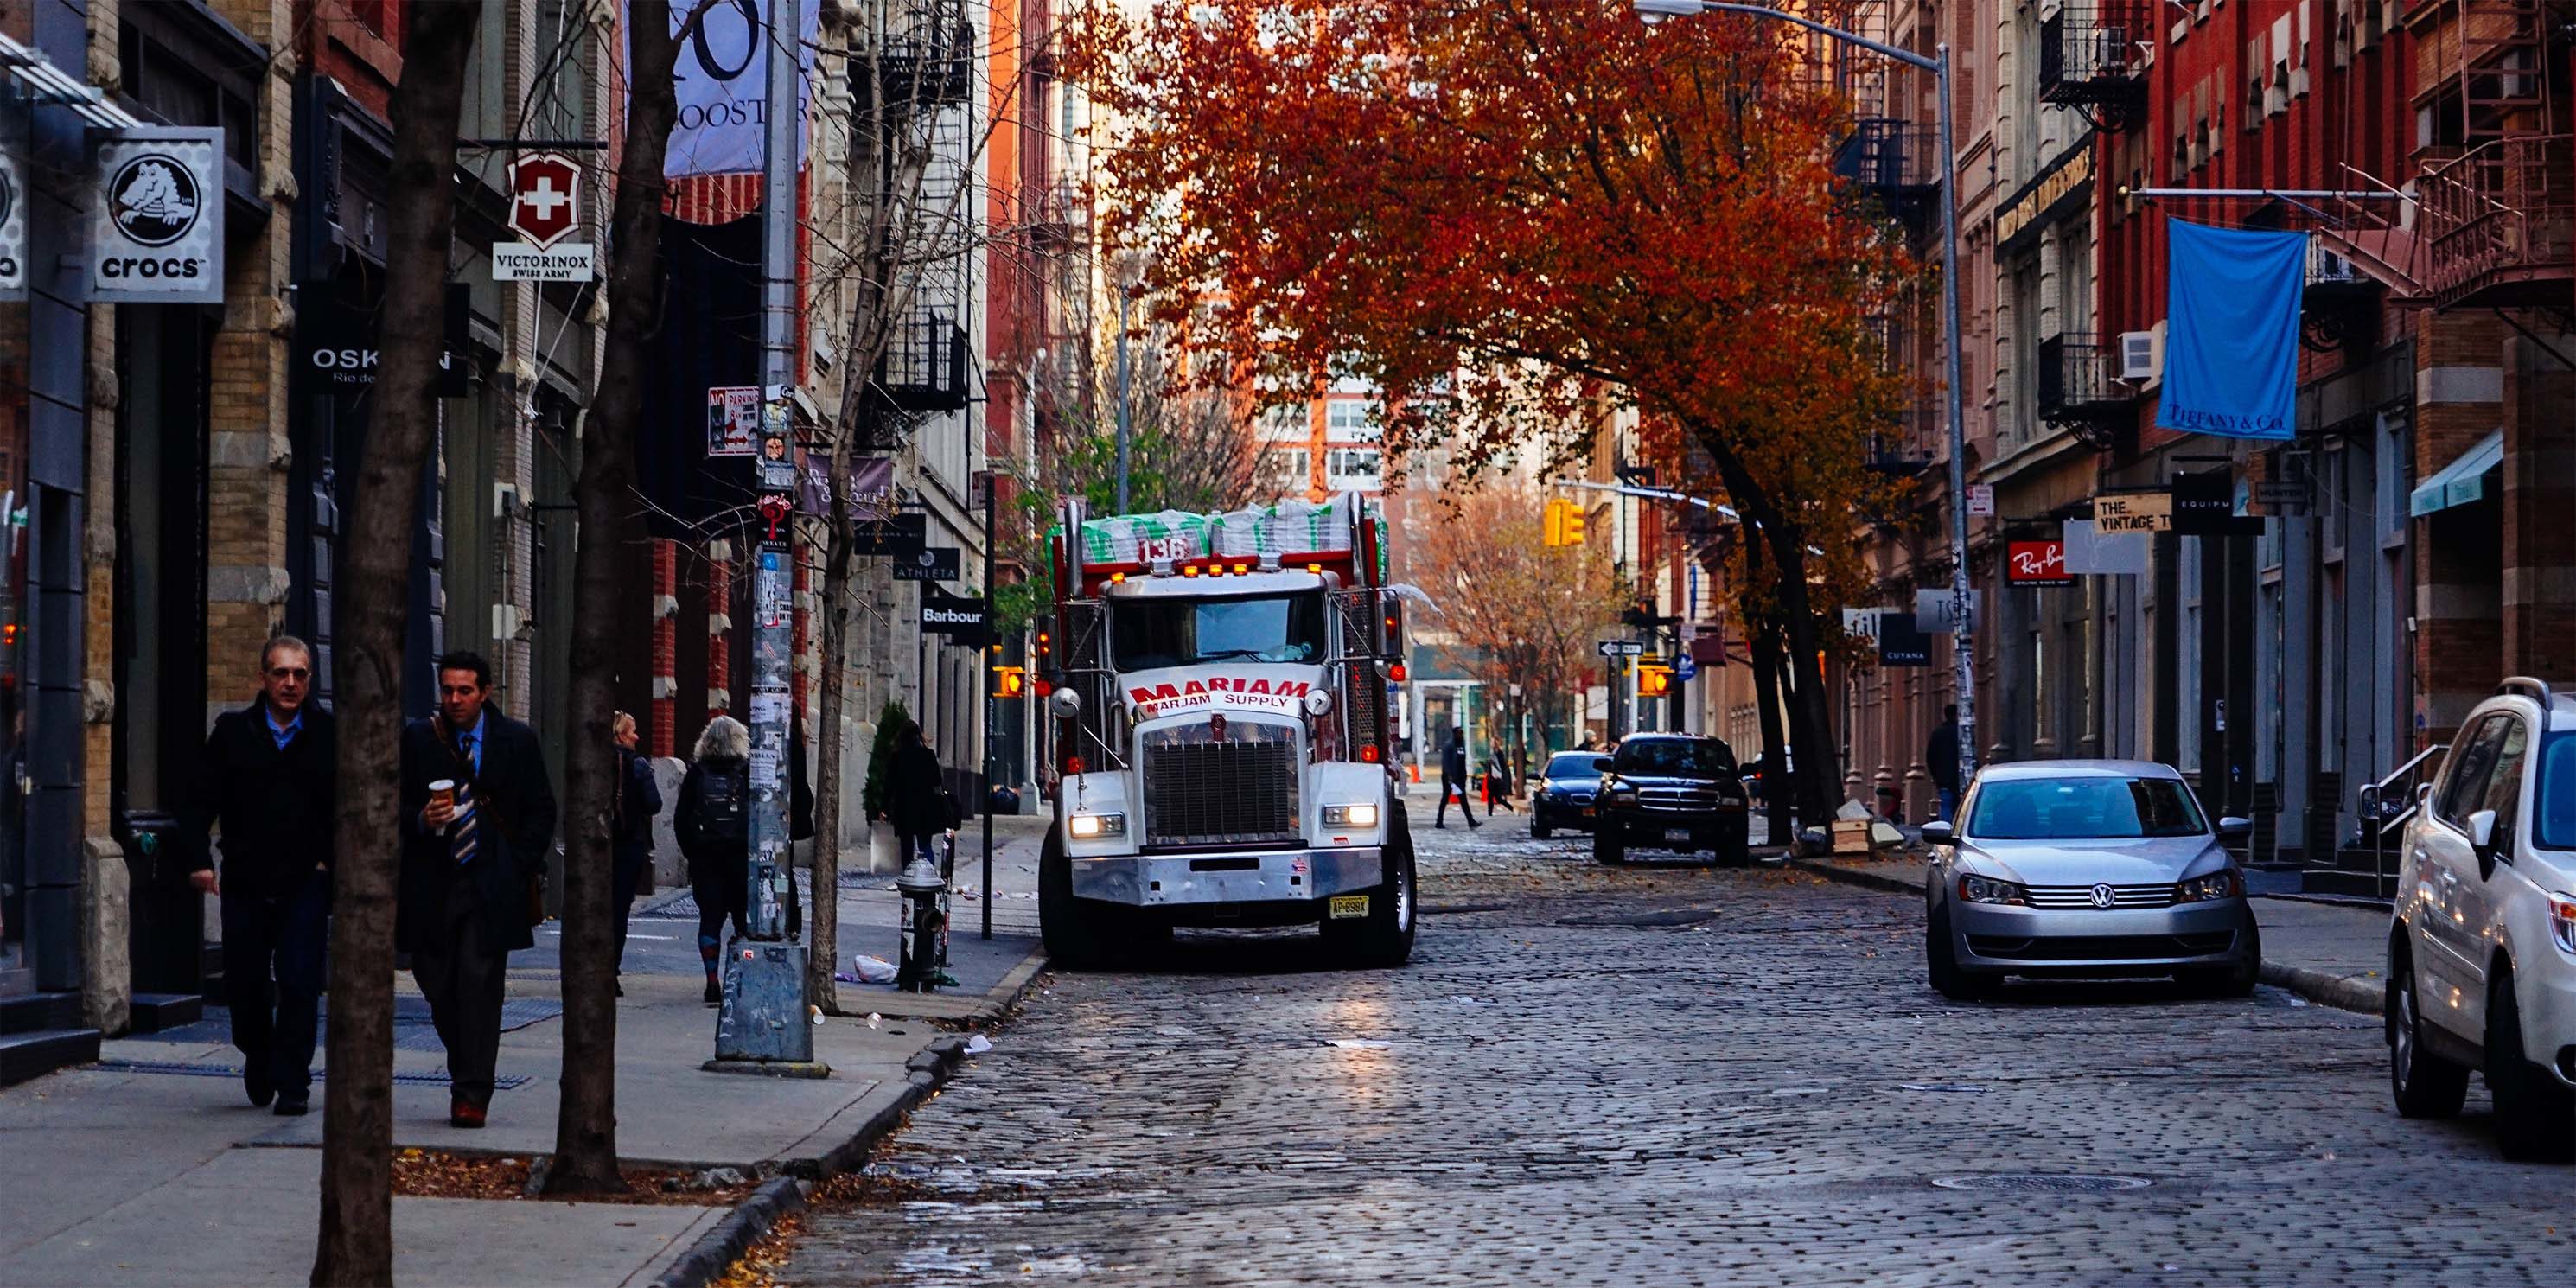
{"x":631,"y":812}
{"x":1941,"y":760}
{"x":468,"y":868}
{"x":269,"y":781}
{"x":1453,"y":780}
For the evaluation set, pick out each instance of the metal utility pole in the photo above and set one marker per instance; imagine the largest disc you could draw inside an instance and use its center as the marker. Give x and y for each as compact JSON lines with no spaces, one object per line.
{"x":1125,"y":417}
{"x":992,"y":648}
{"x":762,"y":1025}
{"x":1964,"y":666}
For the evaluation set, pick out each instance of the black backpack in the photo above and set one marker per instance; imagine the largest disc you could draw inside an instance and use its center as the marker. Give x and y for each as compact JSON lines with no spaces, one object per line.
{"x":724,"y":810}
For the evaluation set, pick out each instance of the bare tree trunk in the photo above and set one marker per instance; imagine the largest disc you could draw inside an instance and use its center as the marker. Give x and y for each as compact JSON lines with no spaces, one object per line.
{"x":1810,"y":720}
{"x":1765,"y":646}
{"x":356,"y":1236}
{"x":585,"y":1159}
{"x":823,"y":924}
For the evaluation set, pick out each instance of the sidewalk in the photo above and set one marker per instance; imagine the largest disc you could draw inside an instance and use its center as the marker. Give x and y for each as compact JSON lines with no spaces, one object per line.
{"x":170,"y":1177}
{"x":2331,"y":953}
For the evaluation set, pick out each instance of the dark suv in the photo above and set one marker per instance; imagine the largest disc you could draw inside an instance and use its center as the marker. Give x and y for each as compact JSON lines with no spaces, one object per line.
{"x":1670,"y":791}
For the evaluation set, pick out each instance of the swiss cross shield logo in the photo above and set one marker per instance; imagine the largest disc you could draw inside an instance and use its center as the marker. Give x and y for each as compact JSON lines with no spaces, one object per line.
{"x":545,"y":191}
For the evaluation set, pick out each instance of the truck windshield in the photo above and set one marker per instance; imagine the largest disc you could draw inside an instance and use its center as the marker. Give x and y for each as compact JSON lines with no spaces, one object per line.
{"x":1675,"y":757}
{"x":1150,"y":633}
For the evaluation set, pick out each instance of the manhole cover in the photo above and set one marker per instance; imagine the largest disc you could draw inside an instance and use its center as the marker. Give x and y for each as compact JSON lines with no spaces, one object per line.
{"x":2035,"y":1183}
{"x":1677,"y":917}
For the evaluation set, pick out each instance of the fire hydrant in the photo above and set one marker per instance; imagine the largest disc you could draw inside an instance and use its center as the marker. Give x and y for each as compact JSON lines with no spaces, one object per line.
{"x":920,"y":886}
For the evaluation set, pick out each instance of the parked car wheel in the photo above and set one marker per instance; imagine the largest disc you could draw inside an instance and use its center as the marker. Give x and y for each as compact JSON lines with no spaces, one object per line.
{"x":2235,"y":980}
{"x":1609,"y":844}
{"x":1538,"y":822}
{"x":1941,"y":961}
{"x":2425,"y":1084}
{"x":2535,"y":1115}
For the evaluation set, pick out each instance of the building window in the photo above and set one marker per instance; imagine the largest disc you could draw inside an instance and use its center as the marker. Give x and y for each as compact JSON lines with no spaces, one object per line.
{"x":1295,"y":468}
{"x":1346,"y":420}
{"x":1351,"y":469}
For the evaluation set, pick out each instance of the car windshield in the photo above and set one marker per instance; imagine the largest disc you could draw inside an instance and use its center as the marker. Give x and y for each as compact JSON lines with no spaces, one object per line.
{"x":1151,"y":633}
{"x":2556,"y":792}
{"x":1679,"y":757}
{"x":2067,"y":809}
{"x":1573,"y":764}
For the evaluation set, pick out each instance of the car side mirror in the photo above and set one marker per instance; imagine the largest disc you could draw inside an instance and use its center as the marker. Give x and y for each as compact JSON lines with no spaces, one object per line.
{"x":2482,"y":826}
{"x":1939,"y":832}
{"x":1601,"y":763}
{"x":2232,"y":828}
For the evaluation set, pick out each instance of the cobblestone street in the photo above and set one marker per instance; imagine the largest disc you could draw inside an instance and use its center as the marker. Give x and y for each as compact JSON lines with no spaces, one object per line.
{"x":1644,"y":1076}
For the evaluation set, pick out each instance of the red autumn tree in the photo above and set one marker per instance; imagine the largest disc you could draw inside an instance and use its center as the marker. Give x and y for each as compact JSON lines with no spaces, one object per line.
{"x":1419,"y":191}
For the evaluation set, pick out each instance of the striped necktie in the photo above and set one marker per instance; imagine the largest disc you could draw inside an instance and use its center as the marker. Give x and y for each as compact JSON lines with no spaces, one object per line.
{"x":461,"y":840}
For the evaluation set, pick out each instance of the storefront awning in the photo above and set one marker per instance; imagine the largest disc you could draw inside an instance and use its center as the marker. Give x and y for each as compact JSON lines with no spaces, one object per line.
{"x":2462,"y":481}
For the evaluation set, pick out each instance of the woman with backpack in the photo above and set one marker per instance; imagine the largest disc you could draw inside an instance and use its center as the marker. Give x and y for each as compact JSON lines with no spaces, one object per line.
{"x":917,"y":803}
{"x":714,"y":827}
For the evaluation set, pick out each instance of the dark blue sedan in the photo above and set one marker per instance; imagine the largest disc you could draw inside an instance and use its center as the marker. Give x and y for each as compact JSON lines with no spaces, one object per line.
{"x":1563,"y":794}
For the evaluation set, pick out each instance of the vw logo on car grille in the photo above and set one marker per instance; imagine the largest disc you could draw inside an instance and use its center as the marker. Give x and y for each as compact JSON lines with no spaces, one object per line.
{"x":2102,"y":896}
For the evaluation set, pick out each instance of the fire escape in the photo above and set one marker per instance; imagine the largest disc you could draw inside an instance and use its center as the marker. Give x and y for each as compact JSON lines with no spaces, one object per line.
{"x":2092,"y":59}
{"x":2494,"y":194}
{"x":1890,"y":164}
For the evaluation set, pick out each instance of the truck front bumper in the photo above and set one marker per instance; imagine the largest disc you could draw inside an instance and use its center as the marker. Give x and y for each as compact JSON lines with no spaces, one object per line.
{"x":1258,"y":876}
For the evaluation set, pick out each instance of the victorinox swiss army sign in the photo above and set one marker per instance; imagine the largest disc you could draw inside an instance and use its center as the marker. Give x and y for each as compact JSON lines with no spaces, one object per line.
{"x":545,"y":206}
{"x":157,"y":227}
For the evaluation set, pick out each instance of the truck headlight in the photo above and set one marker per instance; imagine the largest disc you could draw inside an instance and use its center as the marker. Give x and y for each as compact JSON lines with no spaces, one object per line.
{"x":1988,"y":890}
{"x":1350,"y":816}
{"x":1087,"y":826}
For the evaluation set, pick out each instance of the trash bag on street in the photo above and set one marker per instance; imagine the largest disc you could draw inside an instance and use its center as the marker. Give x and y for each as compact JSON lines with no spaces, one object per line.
{"x":874,"y":970}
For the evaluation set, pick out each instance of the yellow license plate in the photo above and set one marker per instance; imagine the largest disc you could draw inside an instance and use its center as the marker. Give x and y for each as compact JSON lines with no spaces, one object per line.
{"x":1348,"y":905}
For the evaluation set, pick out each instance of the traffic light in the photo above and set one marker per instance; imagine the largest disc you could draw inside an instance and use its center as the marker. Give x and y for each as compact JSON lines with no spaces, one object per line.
{"x":1573,"y":529}
{"x":1009,"y":681}
{"x":1564,"y":523}
{"x":1552,"y":521}
{"x":1654,"y":680}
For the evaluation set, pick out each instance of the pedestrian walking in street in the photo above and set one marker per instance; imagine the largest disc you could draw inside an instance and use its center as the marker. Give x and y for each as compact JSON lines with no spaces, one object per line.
{"x":1941,"y":760}
{"x":268,"y":782}
{"x":714,"y":826}
{"x":1453,"y":781}
{"x":634,"y":801}
{"x":917,"y":801}
{"x":1498,"y":785}
{"x":479,"y":820}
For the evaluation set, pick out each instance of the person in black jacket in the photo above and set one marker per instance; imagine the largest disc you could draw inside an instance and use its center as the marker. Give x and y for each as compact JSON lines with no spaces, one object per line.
{"x":917,"y":804}
{"x":1941,"y":760}
{"x":714,"y":827}
{"x":472,"y":861}
{"x":630,"y":823}
{"x":269,"y":782}
{"x":1453,"y":780}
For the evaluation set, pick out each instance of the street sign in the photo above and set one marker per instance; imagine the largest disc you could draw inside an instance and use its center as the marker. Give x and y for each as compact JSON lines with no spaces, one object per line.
{"x":1981,"y":498}
{"x":934,"y":563}
{"x":901,"y":534}
{"x":1621,"y":648}
{"x":545,"y":207}
{"x":1685,"y":668}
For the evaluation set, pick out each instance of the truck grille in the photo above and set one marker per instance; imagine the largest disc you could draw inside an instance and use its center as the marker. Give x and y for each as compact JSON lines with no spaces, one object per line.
{"x":1220,"y":793}
{"x":1677,"y":800}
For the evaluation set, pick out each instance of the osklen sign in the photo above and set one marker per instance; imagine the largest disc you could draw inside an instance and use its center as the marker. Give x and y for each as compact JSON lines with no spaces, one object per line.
{"x":2036,"y":563}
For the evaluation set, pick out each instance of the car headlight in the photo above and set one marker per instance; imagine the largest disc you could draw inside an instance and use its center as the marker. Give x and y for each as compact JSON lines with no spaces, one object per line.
{"x":1087,"y":826}
{"x":2562,"y":921}
{"x":2223,"y":884}
{"x":1977,"y":889}
{"x":1350,"y":816}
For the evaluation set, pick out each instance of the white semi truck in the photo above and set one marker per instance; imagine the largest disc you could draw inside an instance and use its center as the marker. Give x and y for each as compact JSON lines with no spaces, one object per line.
{"x":1223,"y":732}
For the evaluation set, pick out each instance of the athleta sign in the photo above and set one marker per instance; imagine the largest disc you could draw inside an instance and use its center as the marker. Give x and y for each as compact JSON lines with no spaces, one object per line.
{"x":1256,"y":693}
{"x":157,"y":218}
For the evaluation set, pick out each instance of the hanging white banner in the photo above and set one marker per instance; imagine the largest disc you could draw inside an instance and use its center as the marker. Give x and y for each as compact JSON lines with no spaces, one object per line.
{"x":157,"y":217}
{"x":723,"y":76}
{"x":13,"y":225}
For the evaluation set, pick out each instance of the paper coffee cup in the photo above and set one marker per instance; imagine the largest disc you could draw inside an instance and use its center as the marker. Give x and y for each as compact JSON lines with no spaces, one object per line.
{"x":443,"y":792}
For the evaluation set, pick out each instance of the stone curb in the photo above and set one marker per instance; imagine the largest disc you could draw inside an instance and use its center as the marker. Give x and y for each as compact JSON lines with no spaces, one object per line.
{"x":713,"y":1253}
{"x":927,"y":1070}
{"x":2342,"y":992}
{"x":1851,"y":876}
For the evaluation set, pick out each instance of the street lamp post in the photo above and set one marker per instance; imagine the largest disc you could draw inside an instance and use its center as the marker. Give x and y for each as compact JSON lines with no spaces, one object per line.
{"x":1964,"y":662}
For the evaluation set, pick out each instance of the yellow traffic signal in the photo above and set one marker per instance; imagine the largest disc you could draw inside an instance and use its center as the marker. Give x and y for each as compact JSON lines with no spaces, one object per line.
{"x":1552,"y":522}
{"x":1573,"y":528}
{"x":1009,"y":681}
{"x":1654,"y":681}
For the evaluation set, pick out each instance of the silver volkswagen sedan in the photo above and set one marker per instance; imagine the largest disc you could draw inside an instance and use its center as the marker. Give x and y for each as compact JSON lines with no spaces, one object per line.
{"x":2086,"y":868}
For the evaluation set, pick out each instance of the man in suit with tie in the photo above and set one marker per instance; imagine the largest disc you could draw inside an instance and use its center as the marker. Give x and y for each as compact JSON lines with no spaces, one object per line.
{"x":471,"y":856}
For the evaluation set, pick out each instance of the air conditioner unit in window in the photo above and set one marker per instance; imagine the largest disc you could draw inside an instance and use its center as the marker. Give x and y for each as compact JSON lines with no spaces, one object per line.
{"x":2138,"y":355}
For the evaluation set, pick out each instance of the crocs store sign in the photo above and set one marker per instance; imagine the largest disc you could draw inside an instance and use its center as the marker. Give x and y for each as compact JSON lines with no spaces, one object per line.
{"x":157,"y":217}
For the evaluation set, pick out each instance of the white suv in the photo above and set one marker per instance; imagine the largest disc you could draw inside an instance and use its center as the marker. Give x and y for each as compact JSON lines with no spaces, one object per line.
{"x":2482,"y":953}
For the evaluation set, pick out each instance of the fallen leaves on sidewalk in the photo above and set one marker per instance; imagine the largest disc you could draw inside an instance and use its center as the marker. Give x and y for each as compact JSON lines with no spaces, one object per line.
{"x":436,"y":1174}
{"x":759,"y":1264}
